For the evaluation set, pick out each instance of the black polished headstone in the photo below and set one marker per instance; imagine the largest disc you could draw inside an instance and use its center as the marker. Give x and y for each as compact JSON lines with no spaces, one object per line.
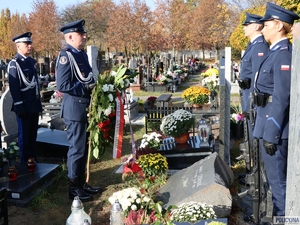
{"x":28,"y":184}
{"x":52,"y":143}
{"x":180,"y":156}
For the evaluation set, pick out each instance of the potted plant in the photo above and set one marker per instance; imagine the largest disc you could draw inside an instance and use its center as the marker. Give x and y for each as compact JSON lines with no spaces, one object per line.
{"x":153,"y":164}
{"x":192,"y":212}
{"x":150,"y":143}
{"x":196,"y":95}
{"x":177,"y":124}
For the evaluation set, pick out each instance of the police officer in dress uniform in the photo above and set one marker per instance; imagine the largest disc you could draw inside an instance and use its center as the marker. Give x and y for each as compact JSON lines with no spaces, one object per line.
{"x":24,"y":88}
{"x":256,"y":51}
{"x":75,"y":79}
{"x":272,"y":97}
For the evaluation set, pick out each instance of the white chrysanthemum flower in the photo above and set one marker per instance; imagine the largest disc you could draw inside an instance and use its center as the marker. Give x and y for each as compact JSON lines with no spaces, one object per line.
{"x":111,"y":87}
{"x":138,"y":200}
{"x":133,"y":207}
{"x":110,"y":97}
{"x":105,"y":88}
{"x":107,"y":111}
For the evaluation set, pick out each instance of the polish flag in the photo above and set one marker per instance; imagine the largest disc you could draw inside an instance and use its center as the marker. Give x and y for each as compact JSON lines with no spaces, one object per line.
{"x":260,"y":54}
{"x":285,"y":67}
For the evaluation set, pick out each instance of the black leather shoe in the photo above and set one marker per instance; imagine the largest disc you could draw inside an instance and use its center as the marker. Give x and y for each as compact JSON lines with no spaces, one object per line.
{"x":91,"y":190}
{"x":83,"y":196}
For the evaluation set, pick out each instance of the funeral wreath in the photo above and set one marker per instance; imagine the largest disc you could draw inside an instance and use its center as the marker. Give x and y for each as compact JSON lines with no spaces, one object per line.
{"x":110,"y":87}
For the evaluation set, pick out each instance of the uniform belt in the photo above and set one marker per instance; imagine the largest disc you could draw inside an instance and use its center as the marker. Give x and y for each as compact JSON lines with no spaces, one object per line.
{"x":261,"y":99}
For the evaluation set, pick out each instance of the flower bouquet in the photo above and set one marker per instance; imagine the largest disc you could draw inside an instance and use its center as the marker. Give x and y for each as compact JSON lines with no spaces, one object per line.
{"x":57,"y":96}
{"x":196,"y":95}
{"x":131,"y":199}
{"x":139,"y":208}
{"x":162,"y":79}
{"x":212,"y":83}
{"x":236,"y":125}
{"x":150,"y":144}
{"x":177,"y":123}
{"x":237,"y":118}
{"x":151,"y":140}
{"x":210,"y":72}
{"x":192,"y":212}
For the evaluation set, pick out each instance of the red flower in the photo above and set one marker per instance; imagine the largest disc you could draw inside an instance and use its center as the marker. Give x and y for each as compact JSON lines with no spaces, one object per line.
{"x":112,"y":114}
{"x":104,"y":124}
{"x":106,"y":130}
{"x":106,"y":135}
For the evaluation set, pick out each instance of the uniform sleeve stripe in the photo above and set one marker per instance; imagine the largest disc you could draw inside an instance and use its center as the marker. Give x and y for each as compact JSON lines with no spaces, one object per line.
{"x":18,"y":103}
{"x":275,"y":122}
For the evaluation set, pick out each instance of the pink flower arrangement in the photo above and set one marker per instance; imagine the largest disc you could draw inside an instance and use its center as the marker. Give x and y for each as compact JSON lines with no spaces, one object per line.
{"x":237,"y":117}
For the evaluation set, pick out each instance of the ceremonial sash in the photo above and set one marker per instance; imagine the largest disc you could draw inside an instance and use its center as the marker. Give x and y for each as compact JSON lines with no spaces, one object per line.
{"x":119,"y":128}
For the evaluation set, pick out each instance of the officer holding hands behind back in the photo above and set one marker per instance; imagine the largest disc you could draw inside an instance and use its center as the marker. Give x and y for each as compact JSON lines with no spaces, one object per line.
{"x":75,"y":80}
{"x":272,"y":97}
{"x":24,"y":88}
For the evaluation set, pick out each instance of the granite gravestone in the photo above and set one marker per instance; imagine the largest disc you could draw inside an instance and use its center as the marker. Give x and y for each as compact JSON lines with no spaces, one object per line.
{"x":206,"y":181}
{"x":92,"y":52}
{"x":8,"y":119}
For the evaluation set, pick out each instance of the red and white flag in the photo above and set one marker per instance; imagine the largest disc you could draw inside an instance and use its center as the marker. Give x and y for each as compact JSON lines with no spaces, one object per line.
{"x":260,"y":54}
{"x":119,"y":128}
{"x":285,"y":67}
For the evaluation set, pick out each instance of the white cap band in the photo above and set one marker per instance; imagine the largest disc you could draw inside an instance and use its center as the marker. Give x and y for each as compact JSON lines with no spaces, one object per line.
{"x":23,"y":39}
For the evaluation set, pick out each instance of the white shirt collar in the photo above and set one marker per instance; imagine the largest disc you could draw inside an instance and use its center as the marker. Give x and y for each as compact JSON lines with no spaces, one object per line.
{"x":275,"y":43}
{"x":252,"y":39}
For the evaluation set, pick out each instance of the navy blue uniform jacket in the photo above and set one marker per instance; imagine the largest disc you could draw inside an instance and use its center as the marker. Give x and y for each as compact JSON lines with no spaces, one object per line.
{"x":76,"y":97}
{"x":29,"y":99}
{"x":250,"y":62}
{"x":274,"y":78}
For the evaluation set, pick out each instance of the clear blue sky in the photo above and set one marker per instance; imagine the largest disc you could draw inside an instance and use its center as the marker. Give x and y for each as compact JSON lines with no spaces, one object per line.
{"x":25,"y":6}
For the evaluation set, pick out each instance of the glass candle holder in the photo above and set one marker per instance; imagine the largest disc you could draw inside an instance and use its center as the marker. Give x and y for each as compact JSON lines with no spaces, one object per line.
{"x":31,"y":164}
{"x":12,"y":173}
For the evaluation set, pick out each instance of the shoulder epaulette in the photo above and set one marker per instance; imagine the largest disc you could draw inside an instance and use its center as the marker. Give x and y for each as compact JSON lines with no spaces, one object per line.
{"x":284,"y":47}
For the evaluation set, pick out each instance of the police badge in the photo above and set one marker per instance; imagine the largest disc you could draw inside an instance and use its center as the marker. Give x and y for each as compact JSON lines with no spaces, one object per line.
{"x":63,"y":60}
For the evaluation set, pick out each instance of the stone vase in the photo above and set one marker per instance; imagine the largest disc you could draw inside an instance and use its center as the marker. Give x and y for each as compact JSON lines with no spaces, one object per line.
{"x":213,"y":99}
{"x":237,"y":130}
